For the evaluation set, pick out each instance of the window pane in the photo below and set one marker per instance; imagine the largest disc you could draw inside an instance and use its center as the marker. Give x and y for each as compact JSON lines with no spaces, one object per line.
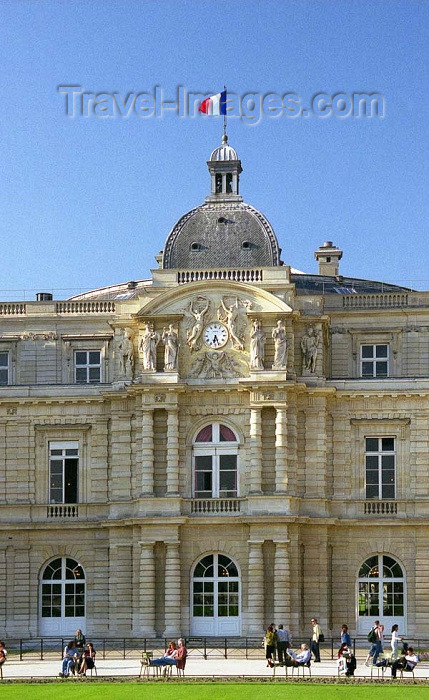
{"x":388,"y":444}
{"x":367,"y":351}
{"x":371,"y":491}
{"x":381,"y":369}
{"x":81,"y":358}
{"x":226,"y":434}
{"x":94,"y":358}
{"x":94,"y":374}
{"x":4,"y":359}
{"x":371,"y":444}
{"x":367,"y":369}
{"x":205,"y":435}
{"x":371,"y":477}
{"x":227,"y":462}
{"x":81,"y":375}
{"x":203,"y":463}
{"x":371,"y":462}
{"x":381,"y":350}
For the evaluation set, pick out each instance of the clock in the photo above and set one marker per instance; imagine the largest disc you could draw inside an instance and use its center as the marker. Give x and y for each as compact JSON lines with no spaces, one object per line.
{"x":215,"y":335}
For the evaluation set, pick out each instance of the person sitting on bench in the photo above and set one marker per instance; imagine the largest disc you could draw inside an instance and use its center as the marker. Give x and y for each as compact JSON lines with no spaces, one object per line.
{"x":406,"y":663}
{"x":169,"y":658}
{"x":301,"y":658}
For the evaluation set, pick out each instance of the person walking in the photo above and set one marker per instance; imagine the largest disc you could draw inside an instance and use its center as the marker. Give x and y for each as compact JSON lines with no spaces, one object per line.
{"x":394,"y":642}
{"x":270,"y":644}
{"x":376,"y":638}
{"x":315,"y":639}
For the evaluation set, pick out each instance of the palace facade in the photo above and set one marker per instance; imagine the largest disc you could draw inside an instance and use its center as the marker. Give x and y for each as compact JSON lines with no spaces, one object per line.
{"x":226,"y":444}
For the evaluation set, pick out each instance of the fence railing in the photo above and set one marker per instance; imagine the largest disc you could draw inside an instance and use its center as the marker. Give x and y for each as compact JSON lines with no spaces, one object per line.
{"x":44,"y":648}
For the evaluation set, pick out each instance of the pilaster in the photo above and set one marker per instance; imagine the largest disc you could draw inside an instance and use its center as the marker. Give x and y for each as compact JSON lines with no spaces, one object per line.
{"x":172,"y":451}
{"x":281,"y":450}
{"x":255,"y":596}
{"x":172,"y":590}
{"x":255,"y":480}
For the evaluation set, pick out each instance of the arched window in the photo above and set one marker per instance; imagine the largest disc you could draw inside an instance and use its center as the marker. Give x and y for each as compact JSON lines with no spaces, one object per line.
{"x":381,"y":592}
{"x":215,"y":462}
{"x":216,"y":596}
{"x":62,"y":597}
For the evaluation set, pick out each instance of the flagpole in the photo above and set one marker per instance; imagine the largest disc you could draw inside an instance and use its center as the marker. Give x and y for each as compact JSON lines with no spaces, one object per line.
{"x":224,"y":116}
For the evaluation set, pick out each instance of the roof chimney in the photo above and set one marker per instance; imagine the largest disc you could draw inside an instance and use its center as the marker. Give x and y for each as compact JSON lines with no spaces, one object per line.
{"x":328,"y":256}
{"x":44,"y":296}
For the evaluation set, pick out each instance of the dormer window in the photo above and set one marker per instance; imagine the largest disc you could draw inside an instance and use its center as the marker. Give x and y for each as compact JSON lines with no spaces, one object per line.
{"x":246,"y":245}
{"x":196,"y":246}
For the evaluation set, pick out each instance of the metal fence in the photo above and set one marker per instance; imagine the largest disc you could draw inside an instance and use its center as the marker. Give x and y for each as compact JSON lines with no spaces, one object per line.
{"x":41,"y":648}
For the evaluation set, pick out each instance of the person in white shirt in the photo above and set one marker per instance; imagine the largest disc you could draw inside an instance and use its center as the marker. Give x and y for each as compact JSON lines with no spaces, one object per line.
{"x":407,"y":662}
{"x":395,"y":641}
{"x":303,"y":657}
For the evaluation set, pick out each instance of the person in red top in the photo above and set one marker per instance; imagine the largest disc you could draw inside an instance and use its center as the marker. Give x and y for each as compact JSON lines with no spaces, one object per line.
{"x":182,"y":653}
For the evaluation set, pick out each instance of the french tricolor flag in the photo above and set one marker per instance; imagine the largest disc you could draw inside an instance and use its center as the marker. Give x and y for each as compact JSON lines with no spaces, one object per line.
{"x":215,"y":105}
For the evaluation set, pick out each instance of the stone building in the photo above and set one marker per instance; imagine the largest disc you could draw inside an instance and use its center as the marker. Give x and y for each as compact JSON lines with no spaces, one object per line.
{"x":225,"y":444}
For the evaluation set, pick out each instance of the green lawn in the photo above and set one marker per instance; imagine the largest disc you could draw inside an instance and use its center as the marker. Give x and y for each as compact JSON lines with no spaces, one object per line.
{"x":209,"y":691}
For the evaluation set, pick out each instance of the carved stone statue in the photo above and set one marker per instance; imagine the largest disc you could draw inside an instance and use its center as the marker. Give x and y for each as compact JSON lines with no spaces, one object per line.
{"x":309,"y":349}
{"x":126,"y":351}
{"x":148,"y":344}
{"x":257,"y":346}
{"x":231,"y":316}
{"x":171,"y":345}
{"x":213,"y":365}
{"x":281,"y":346}
{"x":194,"y":320}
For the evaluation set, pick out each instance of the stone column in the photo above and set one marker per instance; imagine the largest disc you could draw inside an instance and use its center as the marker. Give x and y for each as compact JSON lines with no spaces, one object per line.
{"x":281,"y":450}
{"x":255,"y":480}
{"x":172,"y":591}
{"x":147,"y":453}
{"x":172,"y":452}
{"x":147,"y":590}
{"x":256,"y":593}
{"x":282,"y":583}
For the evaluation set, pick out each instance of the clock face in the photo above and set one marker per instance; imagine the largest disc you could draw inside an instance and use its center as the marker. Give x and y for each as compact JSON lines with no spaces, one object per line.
{"x":215,"y":335}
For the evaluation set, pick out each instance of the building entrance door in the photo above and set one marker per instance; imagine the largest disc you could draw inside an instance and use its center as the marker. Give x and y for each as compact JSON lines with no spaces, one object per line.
{"x":215,"y":597}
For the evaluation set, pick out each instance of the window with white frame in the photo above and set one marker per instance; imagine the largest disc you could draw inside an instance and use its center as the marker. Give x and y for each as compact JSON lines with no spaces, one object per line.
{"x":215,"y":462}
{"x":87,"y":366}
{"x":4,"y":368}
{"x":374,"y":360}
{"x":380,"y":462}
{"x":63,"y":472}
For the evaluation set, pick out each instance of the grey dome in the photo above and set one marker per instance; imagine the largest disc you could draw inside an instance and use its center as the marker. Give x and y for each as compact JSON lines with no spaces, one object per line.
{"x":220,"y":234}
{"x":224,"y":152}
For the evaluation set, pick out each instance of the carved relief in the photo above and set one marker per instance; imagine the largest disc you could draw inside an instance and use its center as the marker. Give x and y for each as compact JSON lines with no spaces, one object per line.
{"x":29,"y":335}
{"x":212,"y":365}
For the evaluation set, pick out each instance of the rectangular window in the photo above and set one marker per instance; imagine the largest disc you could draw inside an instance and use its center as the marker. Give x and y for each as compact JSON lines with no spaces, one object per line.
{"x":63,"y":472}
{"x":87,"y":366}
{"x":203,"y":476}
{"x":380,"y":457}
{"x":374,"y":360}
{"x":4,"y":368}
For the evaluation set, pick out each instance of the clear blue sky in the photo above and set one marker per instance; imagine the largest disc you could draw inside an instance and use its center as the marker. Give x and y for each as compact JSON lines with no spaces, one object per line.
{"x":89,"y":202}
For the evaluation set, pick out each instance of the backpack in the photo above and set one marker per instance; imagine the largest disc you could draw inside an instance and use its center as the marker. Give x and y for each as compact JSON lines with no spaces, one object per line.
{"x":372,"y":636}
